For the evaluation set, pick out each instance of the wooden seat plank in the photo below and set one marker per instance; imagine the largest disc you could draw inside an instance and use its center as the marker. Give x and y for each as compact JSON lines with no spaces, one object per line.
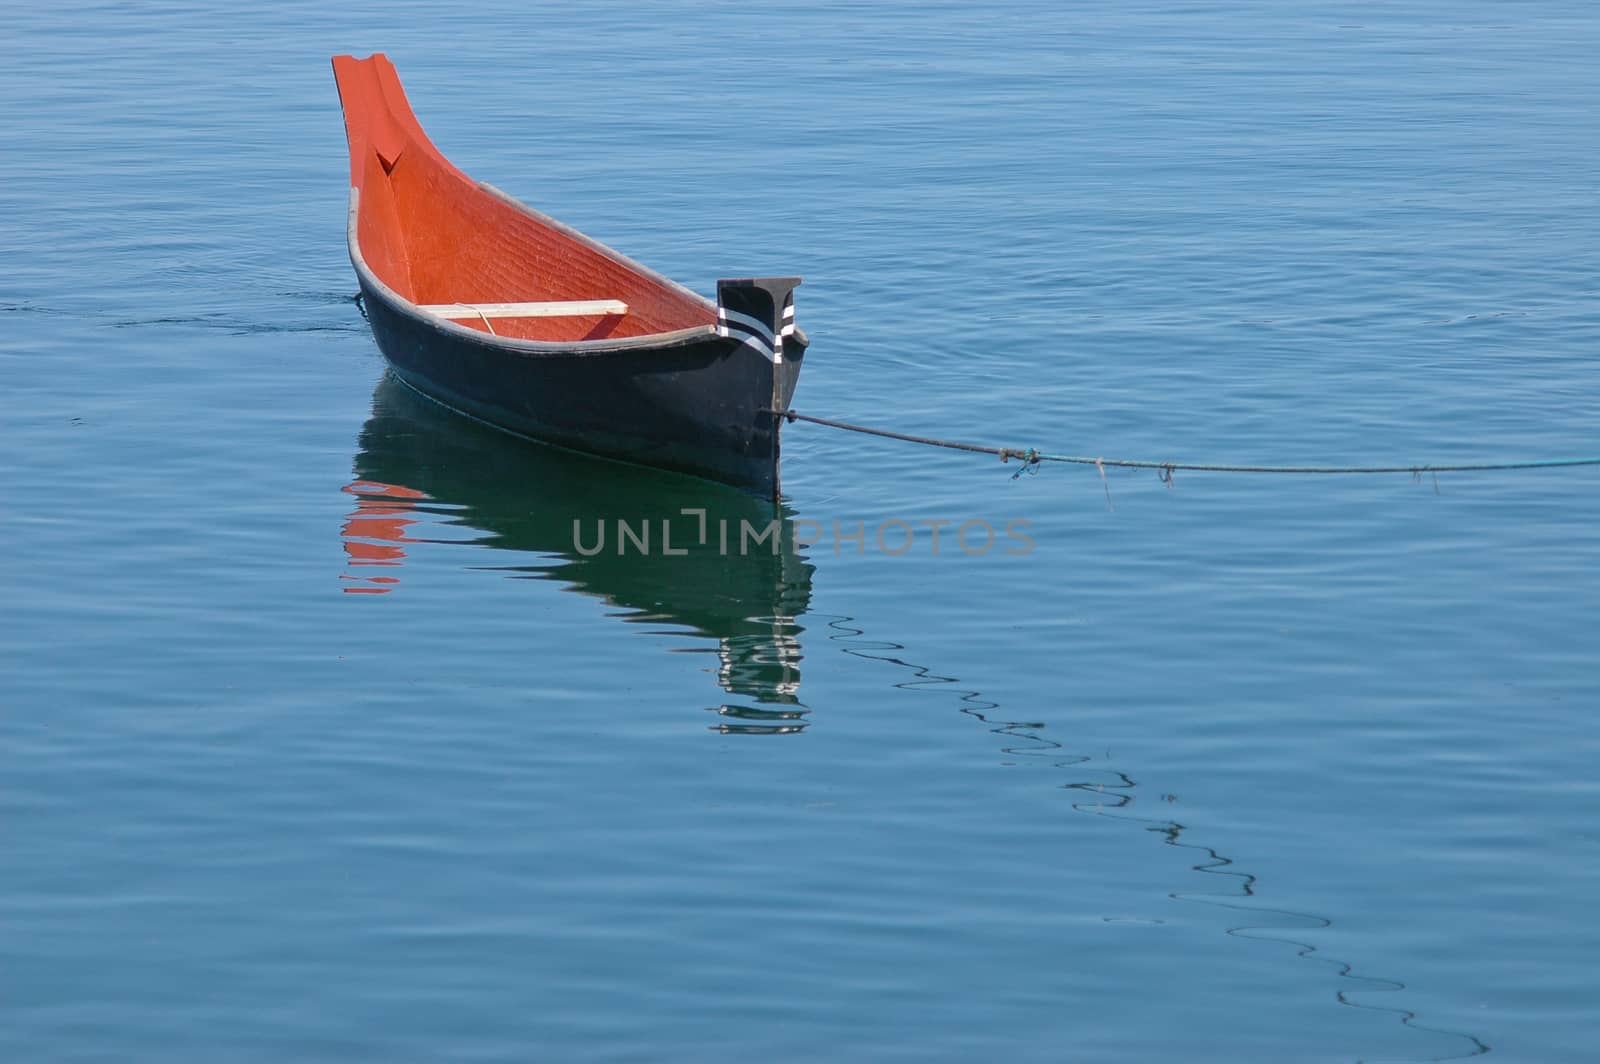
{"x":561,"y":309}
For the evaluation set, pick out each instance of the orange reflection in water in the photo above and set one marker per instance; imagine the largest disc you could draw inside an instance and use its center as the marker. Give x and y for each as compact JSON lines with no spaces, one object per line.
{"x":374,"y":532}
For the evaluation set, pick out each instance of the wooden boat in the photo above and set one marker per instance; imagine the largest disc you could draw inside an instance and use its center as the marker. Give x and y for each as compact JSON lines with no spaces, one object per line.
{"x":504,"y":314}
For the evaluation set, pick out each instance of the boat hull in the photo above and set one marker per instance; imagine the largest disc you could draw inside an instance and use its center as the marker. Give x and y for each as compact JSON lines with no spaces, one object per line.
{"x":701,"y":405}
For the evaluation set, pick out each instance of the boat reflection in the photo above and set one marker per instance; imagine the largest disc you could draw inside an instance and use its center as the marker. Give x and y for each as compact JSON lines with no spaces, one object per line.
{"x":666,"y":550}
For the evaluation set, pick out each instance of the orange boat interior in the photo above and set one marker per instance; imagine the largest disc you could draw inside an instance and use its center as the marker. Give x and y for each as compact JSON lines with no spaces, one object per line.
{"x":436,"y":237}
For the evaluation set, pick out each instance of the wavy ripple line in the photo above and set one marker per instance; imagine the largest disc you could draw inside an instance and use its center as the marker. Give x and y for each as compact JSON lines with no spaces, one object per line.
{"x":218,"y":321}
{"x":1118,"y":794}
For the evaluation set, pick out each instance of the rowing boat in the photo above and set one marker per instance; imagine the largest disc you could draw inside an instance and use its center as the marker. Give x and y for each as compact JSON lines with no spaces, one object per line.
{"x":504,"y":314}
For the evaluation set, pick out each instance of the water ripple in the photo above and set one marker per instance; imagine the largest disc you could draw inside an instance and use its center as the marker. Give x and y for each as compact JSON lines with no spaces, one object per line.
{"x":1113,"y":791}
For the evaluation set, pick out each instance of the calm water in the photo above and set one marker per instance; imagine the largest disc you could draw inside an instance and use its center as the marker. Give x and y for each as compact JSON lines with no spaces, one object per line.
{"x":321,"y":741}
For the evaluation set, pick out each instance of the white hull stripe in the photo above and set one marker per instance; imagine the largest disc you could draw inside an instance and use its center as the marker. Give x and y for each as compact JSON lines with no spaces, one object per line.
{"x":760,"y":341}
{"x":728,"y":317}
{"x":759,"y":321}
{"x":739,"y":330}
{"x":760,"y":345}
{"x":736,"y":333}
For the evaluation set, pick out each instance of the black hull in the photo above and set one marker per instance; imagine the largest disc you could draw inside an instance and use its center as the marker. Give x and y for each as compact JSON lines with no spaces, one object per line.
{"x":699,"y":405}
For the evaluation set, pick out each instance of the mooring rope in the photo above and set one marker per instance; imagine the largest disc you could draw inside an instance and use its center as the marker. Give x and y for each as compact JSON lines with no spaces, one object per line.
{"x":1031,"y":457}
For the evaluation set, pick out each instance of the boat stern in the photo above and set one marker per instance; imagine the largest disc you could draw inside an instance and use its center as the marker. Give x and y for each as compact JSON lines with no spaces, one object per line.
{"x":758,"y":312}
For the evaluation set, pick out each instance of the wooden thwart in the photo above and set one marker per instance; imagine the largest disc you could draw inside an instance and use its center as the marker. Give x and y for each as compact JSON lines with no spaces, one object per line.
{"x":568,"y":309}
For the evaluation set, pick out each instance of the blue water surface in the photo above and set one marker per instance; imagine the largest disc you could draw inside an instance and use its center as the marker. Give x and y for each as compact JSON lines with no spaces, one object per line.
{"x":320,"y":741}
